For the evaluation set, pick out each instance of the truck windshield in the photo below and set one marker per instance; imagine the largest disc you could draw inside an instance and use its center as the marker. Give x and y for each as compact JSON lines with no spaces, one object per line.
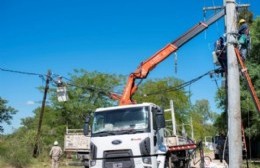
{"x":121,"y":121}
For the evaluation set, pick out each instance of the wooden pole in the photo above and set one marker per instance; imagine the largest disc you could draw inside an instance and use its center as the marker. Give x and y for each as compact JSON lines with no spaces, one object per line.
{"x":36,"y":149}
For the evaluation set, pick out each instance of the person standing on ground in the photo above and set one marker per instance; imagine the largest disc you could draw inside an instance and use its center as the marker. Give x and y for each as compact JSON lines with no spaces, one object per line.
{"x":55,"y":154}
{"x":220,"y":146}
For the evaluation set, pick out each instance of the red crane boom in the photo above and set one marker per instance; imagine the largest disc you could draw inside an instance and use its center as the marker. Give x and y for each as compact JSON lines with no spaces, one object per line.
{"x":143,"y":70}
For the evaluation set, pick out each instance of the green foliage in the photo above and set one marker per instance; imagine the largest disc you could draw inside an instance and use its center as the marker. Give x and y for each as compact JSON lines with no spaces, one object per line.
{"x":220,"y":123}
{"x":17,"y":149}
{"x":255,"y":41}
{"x":161,"y":91}
{"x":203,"y":118}
{"x":202,"y":108}
{"x":87,"y":91}
{"x":6,"y":113}
{"x":244,"y":13}
{"x":250,"y":116}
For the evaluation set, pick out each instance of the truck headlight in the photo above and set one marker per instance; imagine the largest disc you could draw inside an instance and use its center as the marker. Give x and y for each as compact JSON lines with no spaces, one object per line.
{"x":147,"y":160}
{"x":92,"y":163}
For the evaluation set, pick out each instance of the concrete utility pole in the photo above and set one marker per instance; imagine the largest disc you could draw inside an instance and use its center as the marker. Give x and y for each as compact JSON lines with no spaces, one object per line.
{"x":192,"y":132}
{"x":173,"y":118}
{"x":234,"y":109}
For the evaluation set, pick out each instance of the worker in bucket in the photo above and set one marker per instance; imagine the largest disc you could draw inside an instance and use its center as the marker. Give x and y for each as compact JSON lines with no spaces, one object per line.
{"x":220,"y":50}
{"x":55,"y":154}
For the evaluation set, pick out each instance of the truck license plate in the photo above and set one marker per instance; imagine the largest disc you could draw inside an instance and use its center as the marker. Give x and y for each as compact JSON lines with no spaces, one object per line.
{"x":117,"y":165}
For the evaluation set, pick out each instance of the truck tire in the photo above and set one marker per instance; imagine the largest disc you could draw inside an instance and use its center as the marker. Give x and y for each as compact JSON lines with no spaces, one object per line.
{"x":168,"y":163}
{"x":85,"y":163}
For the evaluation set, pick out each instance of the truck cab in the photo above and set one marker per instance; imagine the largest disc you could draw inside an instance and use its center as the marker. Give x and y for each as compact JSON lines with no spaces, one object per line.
{"x":129,"y":136}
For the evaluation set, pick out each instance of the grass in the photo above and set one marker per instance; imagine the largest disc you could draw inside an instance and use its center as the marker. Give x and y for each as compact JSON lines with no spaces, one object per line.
{"x":251,"y":164}
{"x":42,"y":164}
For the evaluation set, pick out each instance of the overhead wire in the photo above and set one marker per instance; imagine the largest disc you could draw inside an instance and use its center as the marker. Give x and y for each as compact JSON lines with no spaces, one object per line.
{"x":102,"y":91}
{"x":21,"y":72}
{"x":43,"y":78}
{"x":181,"y":86}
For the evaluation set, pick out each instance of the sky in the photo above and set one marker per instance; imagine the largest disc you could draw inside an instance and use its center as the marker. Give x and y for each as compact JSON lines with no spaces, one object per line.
{"x":112,"y":36}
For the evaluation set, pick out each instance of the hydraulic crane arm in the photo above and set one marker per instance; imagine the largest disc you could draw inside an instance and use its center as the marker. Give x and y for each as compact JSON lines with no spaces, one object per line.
{"x":146,"y":66}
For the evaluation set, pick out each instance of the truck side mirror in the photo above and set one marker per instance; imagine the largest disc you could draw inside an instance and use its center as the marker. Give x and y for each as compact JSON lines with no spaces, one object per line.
{"x":160,"y":118}
{"x":86,"y":126}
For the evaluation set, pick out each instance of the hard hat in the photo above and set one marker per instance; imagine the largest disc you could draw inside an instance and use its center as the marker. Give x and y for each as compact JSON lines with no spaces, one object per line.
{"x":242,"y":21}
{"x":56,"y":143}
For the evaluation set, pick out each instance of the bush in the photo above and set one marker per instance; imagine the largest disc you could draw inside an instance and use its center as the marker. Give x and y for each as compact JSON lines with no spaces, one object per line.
{"x":18,"y":156}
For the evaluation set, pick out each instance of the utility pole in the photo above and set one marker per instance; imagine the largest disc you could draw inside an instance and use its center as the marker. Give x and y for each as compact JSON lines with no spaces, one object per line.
{"x":191,"y":125}
{"x":36,"y":150}
{"x":173,"y":118}
{"x":234,"y":109}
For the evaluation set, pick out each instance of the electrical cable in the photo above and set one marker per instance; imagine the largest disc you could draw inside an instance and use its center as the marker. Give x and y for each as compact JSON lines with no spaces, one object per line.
{"x":183,"y":85}
{"x":21,"y":72}
{"x":101,"y":91}
{"x":43,"y":77}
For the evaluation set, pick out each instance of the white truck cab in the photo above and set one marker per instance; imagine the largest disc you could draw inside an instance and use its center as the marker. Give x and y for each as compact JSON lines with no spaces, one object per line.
{"x":130,"y":136}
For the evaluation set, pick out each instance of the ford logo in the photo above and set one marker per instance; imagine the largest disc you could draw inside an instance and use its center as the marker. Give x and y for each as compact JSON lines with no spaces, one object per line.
{"x":116,"y":142}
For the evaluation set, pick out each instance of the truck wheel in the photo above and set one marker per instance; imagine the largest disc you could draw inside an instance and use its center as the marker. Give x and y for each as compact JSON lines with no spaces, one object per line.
{"x":85,"y":163}
{"x":168,"y":163}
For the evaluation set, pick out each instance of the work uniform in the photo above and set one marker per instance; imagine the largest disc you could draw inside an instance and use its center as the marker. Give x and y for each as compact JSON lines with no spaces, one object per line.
{"x":55,"y":154}
{"x":220,"y":51}
{"x":243,"y":39}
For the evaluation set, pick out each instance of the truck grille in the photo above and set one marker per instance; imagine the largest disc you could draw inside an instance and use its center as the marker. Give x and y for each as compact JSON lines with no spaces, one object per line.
{"x":118,"y":159}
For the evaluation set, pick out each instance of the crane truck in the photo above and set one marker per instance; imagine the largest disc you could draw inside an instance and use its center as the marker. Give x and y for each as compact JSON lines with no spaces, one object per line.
{"x":132,"y":135}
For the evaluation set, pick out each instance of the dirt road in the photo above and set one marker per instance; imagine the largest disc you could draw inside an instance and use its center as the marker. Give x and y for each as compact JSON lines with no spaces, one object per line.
{"x":210,"y":162}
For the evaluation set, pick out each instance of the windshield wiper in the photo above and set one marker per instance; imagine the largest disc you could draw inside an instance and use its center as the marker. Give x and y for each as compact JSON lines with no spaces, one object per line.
{"x":130,"y":131}
{"x":104,"y":133}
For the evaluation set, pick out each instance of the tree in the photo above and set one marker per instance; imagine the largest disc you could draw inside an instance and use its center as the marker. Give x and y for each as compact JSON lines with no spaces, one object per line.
{"x":87,"y":91}
{"x":6,"y":113}
{"x":203,"y":118}
{"x":202,"y":108}
{"x":250,"y":116}
{"x":160,"y":92}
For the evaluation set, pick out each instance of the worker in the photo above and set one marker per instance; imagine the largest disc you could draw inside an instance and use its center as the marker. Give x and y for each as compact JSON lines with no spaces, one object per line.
{"x":220,"y":50}
{"x":60,"y":82}
{"x":243,"y":37}
{"x":55,"y":155}
{"x":220,"y":146}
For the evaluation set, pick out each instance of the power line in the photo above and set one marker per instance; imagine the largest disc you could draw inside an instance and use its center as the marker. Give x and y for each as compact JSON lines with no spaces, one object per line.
{"x":21,"y":72}
{"x":43,"y":76}
{"x":102,"y":91}
{"x":183,"y":85}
